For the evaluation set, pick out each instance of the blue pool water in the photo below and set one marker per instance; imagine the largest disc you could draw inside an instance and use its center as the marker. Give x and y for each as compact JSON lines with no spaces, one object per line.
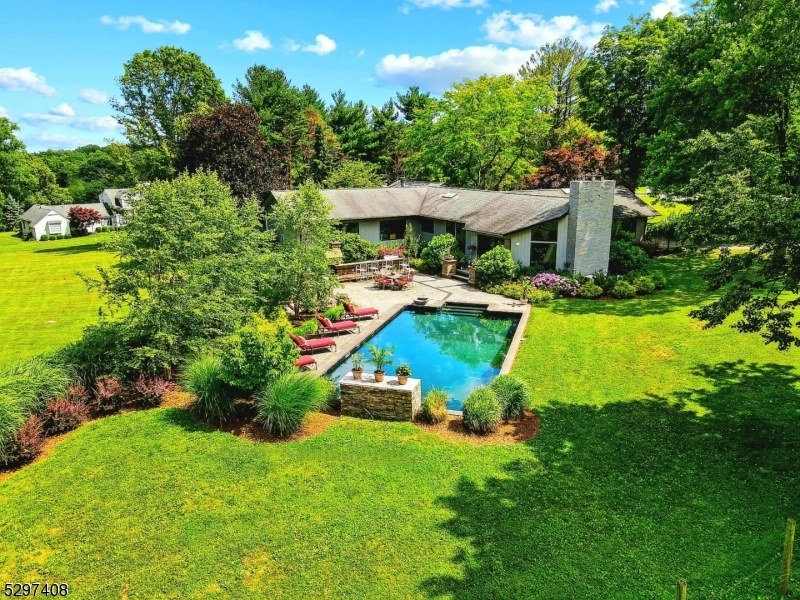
{"x":453,"y":352}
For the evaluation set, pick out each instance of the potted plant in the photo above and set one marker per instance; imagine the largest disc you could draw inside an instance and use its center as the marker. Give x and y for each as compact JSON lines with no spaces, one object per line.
{"x":358,"y":365}
{"x":526,"y":289}
{"x":380,"y":357}
{"x":403,"y":373}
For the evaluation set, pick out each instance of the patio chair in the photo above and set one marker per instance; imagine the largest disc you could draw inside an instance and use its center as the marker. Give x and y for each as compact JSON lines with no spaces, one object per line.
{"x":357,"y":313}
{"x":306,"y":362}
{"x":338,"y":327}
{"x":311,"y":345}
{"x":402,"y":282}
{"x":362,"y":272}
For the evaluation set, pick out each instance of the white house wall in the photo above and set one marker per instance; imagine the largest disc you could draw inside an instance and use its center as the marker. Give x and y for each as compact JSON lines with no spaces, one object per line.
{"x":41,"y":227}
{"x":370,"y":230}
{"x":521,"y":246}
{"x":561,"y":249}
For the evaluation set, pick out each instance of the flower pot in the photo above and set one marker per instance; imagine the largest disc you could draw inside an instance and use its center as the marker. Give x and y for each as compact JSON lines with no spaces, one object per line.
{"x":357,"y":373}
{"x":379,"y":375}
{"x":402,"y":379}
{"x":523,"y":300}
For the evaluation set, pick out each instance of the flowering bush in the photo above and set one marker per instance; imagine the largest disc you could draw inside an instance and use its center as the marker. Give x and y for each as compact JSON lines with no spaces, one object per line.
{"x":385,"y":251}
{"x":558,"y":285}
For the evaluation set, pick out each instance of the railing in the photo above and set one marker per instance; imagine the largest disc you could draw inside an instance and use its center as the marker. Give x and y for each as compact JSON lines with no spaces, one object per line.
{"x":367,"y":269}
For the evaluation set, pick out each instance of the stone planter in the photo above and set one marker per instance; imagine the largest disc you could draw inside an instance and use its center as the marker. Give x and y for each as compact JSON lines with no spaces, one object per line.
{"x":390,"y":400}
{"x":449,"y":266}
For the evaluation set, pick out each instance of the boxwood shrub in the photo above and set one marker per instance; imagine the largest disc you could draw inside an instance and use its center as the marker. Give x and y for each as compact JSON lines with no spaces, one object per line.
{"x":623,"y":289}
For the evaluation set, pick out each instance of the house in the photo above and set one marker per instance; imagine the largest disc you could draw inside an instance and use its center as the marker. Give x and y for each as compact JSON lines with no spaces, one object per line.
{"x":41,"y":219}
{"x":118,"y":201}
{"x":567,"y":228}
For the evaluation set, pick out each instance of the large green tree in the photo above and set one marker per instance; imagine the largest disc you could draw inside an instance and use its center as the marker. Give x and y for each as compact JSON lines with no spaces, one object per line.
{"x":616,"y":82}
{"x":484,"y":133}
{"x":350,"y":122}
{"x":355,"y":174}
{"x":158,"y":90}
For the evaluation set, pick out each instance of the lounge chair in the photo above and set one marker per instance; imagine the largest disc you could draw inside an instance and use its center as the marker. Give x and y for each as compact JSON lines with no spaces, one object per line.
{"x":357,"y":313}
{"x":338,"y":327}
{"x":311,"y":345}
{"x":306,"y":361}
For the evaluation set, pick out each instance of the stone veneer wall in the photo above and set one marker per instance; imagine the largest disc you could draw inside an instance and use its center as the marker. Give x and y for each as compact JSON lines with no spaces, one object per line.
{"x":388,"y":400}
{"x":591,"y":210}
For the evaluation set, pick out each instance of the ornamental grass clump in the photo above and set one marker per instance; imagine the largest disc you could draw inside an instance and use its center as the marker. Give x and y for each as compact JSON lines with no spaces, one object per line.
{"x":434,"y":406}
{"x":560,"y":286}
{"x":214,"y":399}
{"x":513,"y":395}
{"x":283,"y":406}
{"x":482,"y":411}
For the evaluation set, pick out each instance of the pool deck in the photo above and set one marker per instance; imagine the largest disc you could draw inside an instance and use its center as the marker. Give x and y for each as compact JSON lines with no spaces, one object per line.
{"x":438,"y":290}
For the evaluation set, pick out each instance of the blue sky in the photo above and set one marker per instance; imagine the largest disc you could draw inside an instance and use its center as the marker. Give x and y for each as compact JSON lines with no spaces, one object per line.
{"x":59,"y":60}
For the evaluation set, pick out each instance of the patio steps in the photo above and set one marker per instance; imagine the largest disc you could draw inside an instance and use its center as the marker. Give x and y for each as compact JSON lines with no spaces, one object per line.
{"x":462,"y":275}
{"x":471,"y":310}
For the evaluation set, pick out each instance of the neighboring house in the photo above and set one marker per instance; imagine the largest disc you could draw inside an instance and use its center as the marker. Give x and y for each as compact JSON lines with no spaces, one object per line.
{"x":559,"y":228}
{"x":118,"y":202}
{"x":40,"y":219}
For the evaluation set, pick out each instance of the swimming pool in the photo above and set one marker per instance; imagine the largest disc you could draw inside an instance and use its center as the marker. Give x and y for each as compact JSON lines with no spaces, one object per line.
{"x":456,"y":349}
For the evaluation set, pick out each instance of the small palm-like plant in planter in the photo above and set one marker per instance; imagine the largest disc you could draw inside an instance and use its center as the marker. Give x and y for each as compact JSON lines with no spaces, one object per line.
{"x":358,"y":365}
{"x":380,"y":357}
{"x":403,"y":373}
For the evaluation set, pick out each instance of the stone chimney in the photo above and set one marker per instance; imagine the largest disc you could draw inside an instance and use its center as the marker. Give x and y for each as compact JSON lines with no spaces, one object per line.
{"x":591,"y":208}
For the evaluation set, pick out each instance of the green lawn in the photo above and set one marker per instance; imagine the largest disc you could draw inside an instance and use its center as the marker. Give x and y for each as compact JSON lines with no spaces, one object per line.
{"x":666,"y":210}
{"x":665,"y":452}
{"x":43,"y":303}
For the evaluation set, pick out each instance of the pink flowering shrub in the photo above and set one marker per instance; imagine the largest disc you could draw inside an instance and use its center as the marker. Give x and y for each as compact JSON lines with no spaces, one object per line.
{"x":558,"y":285}
{"x":384,"y":251}
{"x":150,"y":392}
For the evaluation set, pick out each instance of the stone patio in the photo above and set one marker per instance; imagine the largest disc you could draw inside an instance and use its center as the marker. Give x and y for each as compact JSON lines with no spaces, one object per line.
{"x":389,"y":302}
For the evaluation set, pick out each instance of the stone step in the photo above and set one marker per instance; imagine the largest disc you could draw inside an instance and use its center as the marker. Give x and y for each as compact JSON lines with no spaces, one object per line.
{"x":464,"y":272}
{"x":464,"y":278}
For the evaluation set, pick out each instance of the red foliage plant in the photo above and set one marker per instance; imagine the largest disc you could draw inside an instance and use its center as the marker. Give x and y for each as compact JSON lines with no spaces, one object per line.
{"x":80,"y":218}
{"x":63,"y":415}
{"x":150,"y":392}
{"x":391,"y":251}
{"x":26,"y":444}
{"x":78,"y":393}
{"x":571,"y":163}
{"x":109,"y":394}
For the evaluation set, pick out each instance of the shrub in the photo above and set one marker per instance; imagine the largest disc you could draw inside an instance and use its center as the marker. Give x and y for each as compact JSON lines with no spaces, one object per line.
{"x":44,"y":237}
{"x":285,"y":403}
{"x":625,"y":257}
{"x":440,"y":246}
{"x":335,"y":313}
{"x":509,"y":289}
{"x":535,"y":296}
{"x":512,"y":394}
{"x":659,"y":280}
{"x":109,"y":394}
{"x":644,"y":285}
{"x":63,"y":415}
{"x":77,"y":393}
{"x":57,"y":236}
{"x":357,"y":249}
{"x":434,"y":406}
{"x":306,"y":328}
{"x":391,"y":250}
{"x":590,"y":291}
{"x":605,"y":280}
{"x":258,"y":353}
{"x":494,"y":267}
{"x":102,"y":350}
{"x":150,"y":391}
{"x":482,"y":411}
{"x":26,"y":444}
{"x":214,"y":399}
{"x":557,"y":284}
{"x":67,"y":236}
{"x":623,"y":289}
{"x":416,"y":263}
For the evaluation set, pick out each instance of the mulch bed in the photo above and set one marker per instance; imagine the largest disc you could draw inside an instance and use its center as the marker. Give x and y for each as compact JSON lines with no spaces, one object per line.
{"x":509,"y":432}
{"x":244,"y":427}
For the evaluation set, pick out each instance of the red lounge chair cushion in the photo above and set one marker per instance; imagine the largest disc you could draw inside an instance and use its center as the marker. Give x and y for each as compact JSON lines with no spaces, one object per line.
{"x":360,"y":312}
{"x":320,"y":343}
{"x":305,"y":361}
{"x":338,"y":326}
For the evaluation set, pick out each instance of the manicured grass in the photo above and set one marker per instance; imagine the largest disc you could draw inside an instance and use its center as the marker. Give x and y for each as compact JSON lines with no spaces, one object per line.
{"x":43,"y":303}
{"x":665,"y":452}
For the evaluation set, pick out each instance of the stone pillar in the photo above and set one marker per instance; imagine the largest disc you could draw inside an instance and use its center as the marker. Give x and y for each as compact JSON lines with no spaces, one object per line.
{"x":389,"y":400}
{"x":591,"y":209}
{"x":449,"y":267}
{"x":472,"y":275}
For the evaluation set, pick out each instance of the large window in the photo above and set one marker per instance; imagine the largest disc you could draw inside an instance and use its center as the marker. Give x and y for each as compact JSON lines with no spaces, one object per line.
{"x":544,"y":243}
{"x":487,"y":242}
{"x":54,"y":227}
{"x":393,"y":229}
{"x":349,"y":227}
{"x":426,"y":225}
{"x":453,"y":228}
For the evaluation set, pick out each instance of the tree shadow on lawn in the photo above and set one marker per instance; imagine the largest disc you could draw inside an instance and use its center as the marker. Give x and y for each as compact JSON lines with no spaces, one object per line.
{"x":623,"y":500}
{"x":72,"y":249}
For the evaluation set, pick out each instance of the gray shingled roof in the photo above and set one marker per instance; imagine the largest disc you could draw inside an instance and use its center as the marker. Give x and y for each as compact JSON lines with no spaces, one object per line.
{"x":483,"y":211}
{"x":37,"y":212}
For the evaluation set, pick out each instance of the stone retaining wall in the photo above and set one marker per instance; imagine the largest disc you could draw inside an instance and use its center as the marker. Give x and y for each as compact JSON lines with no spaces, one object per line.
{"x":388,"y":400}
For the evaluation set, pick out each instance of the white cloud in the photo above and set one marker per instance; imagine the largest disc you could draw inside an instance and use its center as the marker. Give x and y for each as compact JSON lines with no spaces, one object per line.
{"x":62,"y":110}
{"x":163,"y":26}
{"x":663,"y":8}
{"x":41,"y":141}
{"x":24,"y":80}
{"x":253,"y":40}
{"x":605,"y":5}
{"x":3,"y":112}
{"x":85,"y":123}
{"x":358,"y":54}
{"x":91,"y":96}
{"x":324,"y":45}
{"x":533,"y":31}
{"x":291,"y":46}
{"x":448,"y":4}
{"x":437,"y":73}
